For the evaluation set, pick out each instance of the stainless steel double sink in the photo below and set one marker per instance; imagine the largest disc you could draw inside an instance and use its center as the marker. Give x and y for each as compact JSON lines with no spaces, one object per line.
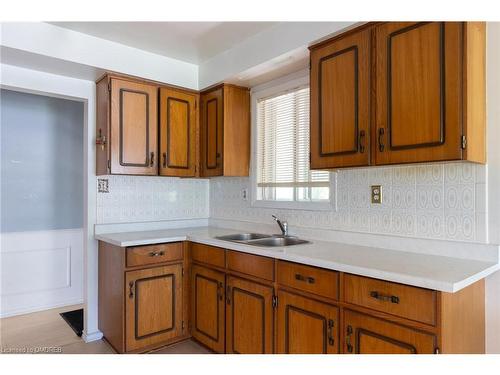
{"x":265,"y":240}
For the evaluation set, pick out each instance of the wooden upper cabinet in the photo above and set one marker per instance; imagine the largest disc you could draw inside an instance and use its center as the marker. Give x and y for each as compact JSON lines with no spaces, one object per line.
{"x":178,"y":127}
{"x":305,"y":326}
{"x":249,"y":317}
{"x":153,"y":306}
{"x":207,"y":307}
{"x":425,"y":111}
{"x":127,"y":127}
{"x":225,"y":131}
{"x":340,"y":102}
{"x":367,"y":335}
{"x":212,"y":121}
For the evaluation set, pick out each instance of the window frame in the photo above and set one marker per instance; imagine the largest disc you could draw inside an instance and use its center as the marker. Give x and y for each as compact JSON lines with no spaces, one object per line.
{"x":269,"y":89}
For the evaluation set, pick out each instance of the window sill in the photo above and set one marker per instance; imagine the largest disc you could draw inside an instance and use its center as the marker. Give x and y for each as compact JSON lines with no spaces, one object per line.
{"x":284,"y":205}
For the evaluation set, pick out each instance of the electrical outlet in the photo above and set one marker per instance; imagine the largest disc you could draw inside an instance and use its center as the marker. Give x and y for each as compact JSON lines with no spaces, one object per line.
{"x":244,"y":194}
{"x":376,"y":194}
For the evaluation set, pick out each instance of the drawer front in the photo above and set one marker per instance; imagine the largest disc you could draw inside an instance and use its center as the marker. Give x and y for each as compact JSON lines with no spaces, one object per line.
{"x":152,"y":254}
{"x":208,"y":254}
{"x":309,"y":279}
{"x":249,"y":264}
{"x":397,"y":299}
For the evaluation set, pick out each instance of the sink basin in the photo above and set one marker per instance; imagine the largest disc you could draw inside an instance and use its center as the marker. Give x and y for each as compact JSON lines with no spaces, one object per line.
{"x":243,"y":237}
{"x":278,"y":241}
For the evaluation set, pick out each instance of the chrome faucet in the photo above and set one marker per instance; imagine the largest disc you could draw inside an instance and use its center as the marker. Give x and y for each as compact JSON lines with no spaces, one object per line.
{"x":282,"y":224}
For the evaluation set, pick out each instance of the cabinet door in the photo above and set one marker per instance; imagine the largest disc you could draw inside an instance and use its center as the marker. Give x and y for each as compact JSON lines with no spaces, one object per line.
{"x":306,"y":326}
{"x":134,"y":125}
{"x":177,"y":133}
{"x":153,"y":307}
{"x":368,"y":335}
{"x":249,"y":317}
{"x":418,"y":92}
{"x":212,"y":120}
{"x":340,"y":102}
{"x":207,"y":290}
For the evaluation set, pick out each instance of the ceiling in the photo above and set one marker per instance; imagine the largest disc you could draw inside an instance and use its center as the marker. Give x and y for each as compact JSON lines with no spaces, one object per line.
{"x":193,"y":42}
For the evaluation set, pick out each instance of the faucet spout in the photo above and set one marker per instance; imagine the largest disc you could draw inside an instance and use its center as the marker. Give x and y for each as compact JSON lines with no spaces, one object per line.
{"x":282,"y":224}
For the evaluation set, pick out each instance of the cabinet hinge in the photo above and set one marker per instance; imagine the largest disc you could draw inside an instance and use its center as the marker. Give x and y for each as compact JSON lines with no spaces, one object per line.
{"x":275,"y":302}
{"x":183,"y":325}
{"x":109,"y":165}
{"x":182,"y":275}
{"x":464,"y":142}
{"x":436,"y":351}
{"x":109,"y":86}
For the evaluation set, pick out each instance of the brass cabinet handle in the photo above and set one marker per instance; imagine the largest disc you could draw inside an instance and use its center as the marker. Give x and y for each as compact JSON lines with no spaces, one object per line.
{"x":131,"y":290}
{"x":228,"y":295}
{"x":381,"y":145}
{"x":348,"y":339}
{"x":152,"y":159}
{"x":156,"y":253}
{"x":384,"y":297}
{"x":331,"y":340}
{"x":308,"y":279}
{"x":362,"y":135}
{"x":164,"y":160}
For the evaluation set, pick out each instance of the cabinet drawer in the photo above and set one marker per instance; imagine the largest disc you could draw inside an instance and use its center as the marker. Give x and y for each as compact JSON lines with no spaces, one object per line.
{"x":152,"y":254}
{"x":208,"y":254}
{"x":249,"y":264}
{"x":397,"y":299}
{"x":309,"y":279}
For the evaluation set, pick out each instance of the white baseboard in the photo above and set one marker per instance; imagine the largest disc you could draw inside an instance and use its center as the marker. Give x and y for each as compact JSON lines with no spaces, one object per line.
{"x":93,"y":336}
{"x":40,"y":270}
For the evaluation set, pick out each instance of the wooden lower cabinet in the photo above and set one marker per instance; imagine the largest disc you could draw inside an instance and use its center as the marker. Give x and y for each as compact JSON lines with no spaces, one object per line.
{"x":249,"y":317}
{"x":306,"y":326}
{"x":368,"y":335}
{"x":207,"y":306}
{"x":153,"y":308}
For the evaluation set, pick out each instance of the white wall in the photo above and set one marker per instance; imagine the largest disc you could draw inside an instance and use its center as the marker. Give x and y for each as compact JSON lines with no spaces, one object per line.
{"x":40,"y":270}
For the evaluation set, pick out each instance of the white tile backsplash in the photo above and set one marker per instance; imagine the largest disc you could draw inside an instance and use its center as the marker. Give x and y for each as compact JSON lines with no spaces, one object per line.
{"x":440,"y":201}
{"x":147,"y":198}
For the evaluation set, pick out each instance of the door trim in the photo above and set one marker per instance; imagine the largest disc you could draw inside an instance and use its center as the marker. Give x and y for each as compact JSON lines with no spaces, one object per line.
{"x":442,"y":104}
{"x":216,"y":132}
{"x":360,"y":331}
{"x":356,"y":101}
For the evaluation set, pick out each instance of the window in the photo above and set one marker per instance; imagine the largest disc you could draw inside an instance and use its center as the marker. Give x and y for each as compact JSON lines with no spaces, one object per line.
{"x":283,"y":150}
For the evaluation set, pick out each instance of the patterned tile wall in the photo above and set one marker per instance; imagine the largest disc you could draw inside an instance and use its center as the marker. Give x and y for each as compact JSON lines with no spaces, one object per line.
{"x":443,"y":201}
{"x":139,"y":199}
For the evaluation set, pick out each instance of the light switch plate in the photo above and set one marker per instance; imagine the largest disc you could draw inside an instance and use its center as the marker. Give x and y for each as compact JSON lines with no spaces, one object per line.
{"x":376,"y":194}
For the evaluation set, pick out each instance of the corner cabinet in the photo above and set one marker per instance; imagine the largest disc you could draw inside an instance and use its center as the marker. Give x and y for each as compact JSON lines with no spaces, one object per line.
{"x":225,"y":131}
{"x":127,"y":127}
{"x":416,"y":90}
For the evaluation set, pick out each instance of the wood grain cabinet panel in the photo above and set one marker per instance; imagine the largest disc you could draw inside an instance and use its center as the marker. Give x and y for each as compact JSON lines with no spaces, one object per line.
{"x":133,"y":128}
{"x":153,"y":307}
{"x":306,"y":326}
{"x":249,"y":264}
{"x":340,"y":102}
{"x":249,"y":317}
{"x":178,"y":127}
{"x":225,"y":131}
{"x":418,"y":92}
{"x":367,"y":335}
{"x":207,"y":307}
{"x":152,"y":254}
{"x":402,"y":300}
{"x":210,"y":255}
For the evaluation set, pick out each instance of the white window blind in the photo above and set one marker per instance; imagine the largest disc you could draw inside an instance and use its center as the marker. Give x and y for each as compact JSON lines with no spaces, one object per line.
{"x":283,"y":150}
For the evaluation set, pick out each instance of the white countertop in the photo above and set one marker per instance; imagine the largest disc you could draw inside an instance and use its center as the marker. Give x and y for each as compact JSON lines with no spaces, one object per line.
{"x":441,"y":273}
